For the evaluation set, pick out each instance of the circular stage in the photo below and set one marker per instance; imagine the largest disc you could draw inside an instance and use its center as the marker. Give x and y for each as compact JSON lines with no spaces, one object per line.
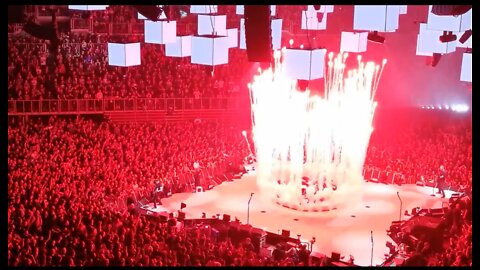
{"x":344,"y":230}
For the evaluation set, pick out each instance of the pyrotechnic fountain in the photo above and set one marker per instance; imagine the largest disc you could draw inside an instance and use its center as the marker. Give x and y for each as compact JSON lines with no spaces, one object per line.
{"x":310,"y":150}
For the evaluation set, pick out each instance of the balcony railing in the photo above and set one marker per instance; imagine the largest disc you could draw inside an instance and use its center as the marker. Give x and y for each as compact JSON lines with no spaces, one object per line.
{"x":98,"y":106}
{"x":81,"y":24}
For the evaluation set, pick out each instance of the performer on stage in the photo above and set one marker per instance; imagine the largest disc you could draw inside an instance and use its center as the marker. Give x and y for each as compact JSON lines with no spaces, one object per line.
{"x":441,"y":180}
{"x":157,"y":193}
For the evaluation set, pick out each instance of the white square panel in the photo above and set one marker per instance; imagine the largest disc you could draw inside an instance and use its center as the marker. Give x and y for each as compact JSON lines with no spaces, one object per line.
{"x":326,"y":8}
{"x":124,"y":55}
{"x":353,"y":42}
{"x":323,"y":8}
{"x":449,"y":23}
{"x":428,"y":41}
{"x":304,"y":64}
{"x":276,"y":26}
{"x":87,"y":7}
{"x":160,"y":32}
{"x":232,"y":37}
{"x":243,"y":44}
{"x":379,"y":18}
{"x":273,"y":10}
{"x":116,"y":54}
{"x":403,"y":9}
{"x":419,"y":49}
{"x":211,"y":51}
{"x":219,"y":23}
{"x":310,"y":21}
{"x":203,"y":9}
{"x":466,"y":73}
{"x":132,"y":54}
{"x":182,"y":47}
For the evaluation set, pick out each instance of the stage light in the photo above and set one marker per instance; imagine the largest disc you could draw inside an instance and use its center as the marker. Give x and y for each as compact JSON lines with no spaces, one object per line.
{"x":375,"y":37}
{"x":448,"y":36}
{"x":465,"y":36}
{"x":446,"y":107}
{"x":423,"y":107}
{"x":301,"y":46}
{"x":436,"y":59}
{"x":460,"y":108}
{"x":291,"y":42}
{"x":439,"y":107}
{"x":244,"y":133}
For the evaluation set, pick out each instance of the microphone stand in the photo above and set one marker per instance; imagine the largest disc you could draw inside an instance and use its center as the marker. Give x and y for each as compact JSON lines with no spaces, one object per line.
{"x":248,"y":209}
{"x":433,"y":189}
{"x":371,"y":254}
{"x":400,"y":216}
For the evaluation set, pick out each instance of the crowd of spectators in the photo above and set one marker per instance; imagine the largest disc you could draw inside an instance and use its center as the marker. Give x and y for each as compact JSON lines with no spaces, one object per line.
{"x":64,"y":174}
{"x":456,"y":249}
{"x":81,"y":70}
{"x":56,"y":166}
{"x":416,"y":148}
{"x":451,"y":244}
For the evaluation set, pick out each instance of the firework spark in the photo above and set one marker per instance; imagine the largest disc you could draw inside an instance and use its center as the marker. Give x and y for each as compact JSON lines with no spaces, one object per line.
{"x":310,"y":150}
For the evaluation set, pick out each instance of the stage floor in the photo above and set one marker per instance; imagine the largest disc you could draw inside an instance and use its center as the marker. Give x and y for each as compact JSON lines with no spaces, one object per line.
{"x":346,"y":231}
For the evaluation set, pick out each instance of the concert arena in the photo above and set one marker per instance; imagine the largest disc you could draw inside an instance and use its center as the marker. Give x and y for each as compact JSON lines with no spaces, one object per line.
{"x":239,"y":135}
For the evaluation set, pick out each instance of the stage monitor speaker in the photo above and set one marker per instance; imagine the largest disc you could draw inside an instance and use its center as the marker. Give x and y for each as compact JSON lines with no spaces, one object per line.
{"x":141,"y":203}
{"x":226,"y":218}
{"x":171,"y":222}
{"x":181,"y":216}
{"x":130,"y":200}
{"x":286,"y":233}
{"x":163,"y":218}
{"x":335,"y":257}
{"x":258,"y":33}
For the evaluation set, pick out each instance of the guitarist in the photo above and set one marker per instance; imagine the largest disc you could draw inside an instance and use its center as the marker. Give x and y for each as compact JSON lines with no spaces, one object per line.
{"x":441,"y":180}
{"x":157,"y":193}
